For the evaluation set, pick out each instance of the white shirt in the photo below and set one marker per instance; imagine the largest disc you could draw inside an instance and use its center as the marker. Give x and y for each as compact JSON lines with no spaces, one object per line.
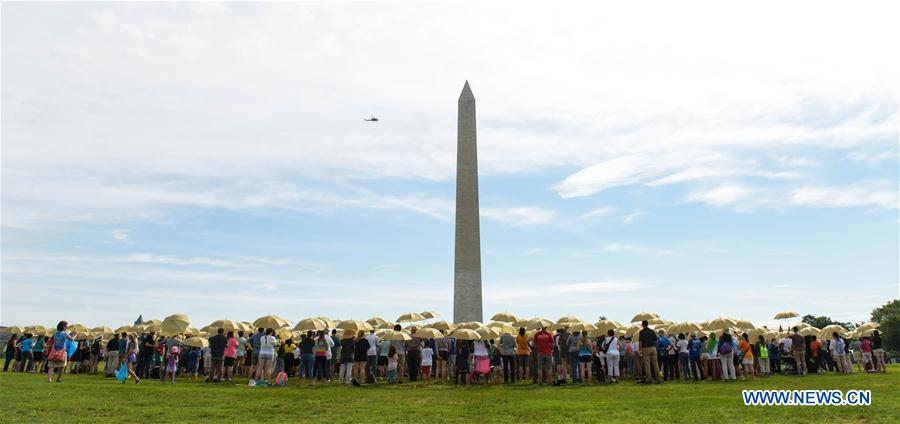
{"x":682,"y":346}
{"x":330,"y":342}
{"x":427,"y":353}
{"x":787,"y":343}
{"x":481,"y":348}
{"x":267,"y":346}
{"x":373,"y":344}
{"x":613,"y":344}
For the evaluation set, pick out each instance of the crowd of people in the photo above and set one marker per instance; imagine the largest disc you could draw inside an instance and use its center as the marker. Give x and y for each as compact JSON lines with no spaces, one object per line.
{"x":543,"y":357}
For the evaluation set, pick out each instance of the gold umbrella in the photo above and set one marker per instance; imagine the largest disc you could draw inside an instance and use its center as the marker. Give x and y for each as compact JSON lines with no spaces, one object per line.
{"x":472,"y":325}
{"x":174,"y":325}
{"x":582,"y":326}
{"x":430,"y":314}
{"x":191,"y":331}
{"x":271,"y":321}
{"x":137,"y":329}
{"x":568,"y":320}
{"x":720,"y":323}
{"x":355,"y":326}
{"x":226,"y":325}
{"x":524,"y":323}
{"x":685,"y":327}
{"x":833,"y":328}
{"x":376,"y":321}
{"x":386,"y":325}
{"x":443,"y":325}
{"x":310,"y":324}
{"x":429,"y":333}
{"x":809,"y":331}
{"x":329,"y":323}
{"x":465,"y":334}
{"x":656,"y":321}
{"x":868,"y":326}
{"x":123,"y":329}
{"x":644,"y":316}
{"x":40,"y":329}
{"x":802,"y":325}
{"x":504,"y":317}
{"x":13,"y":330}
{"x":487,"y":333}
{"x":195,"y":341}
{"x":395,"y":336}
{"x":786,"y":315}
{"x":77,"y":327}
{"x":605,"y":325}
{"x":84,"y":335}
{"x":744,"y":324}
{"x":410,"y":317}
{"x":539,"y":323}
{"x":502,"y":327}
{"x":105,"y":331}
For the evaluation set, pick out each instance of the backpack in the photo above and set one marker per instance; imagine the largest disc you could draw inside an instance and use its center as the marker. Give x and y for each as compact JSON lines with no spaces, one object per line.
{"x":281,"y":379}
{"x":725,"y":348}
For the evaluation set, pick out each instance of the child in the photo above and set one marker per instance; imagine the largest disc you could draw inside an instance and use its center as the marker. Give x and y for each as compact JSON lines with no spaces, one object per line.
{"x":172,"y":364}
{"x":462,"y":362}
{"x":392,"y":365}
{"x":207,"y":361}
{"x":427,"y":361}
{"x":193,"y":362}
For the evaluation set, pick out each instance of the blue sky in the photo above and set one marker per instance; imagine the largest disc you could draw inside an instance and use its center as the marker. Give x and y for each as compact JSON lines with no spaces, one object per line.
{"x":212,"y":159}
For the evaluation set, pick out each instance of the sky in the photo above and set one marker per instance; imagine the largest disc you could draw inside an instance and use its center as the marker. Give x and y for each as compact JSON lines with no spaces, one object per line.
{"x":212,"y":159}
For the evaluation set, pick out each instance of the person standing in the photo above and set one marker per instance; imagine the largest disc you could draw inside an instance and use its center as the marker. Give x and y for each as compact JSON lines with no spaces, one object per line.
{"x":10,"y":352}
{"x":836,"y":346}
{"x":508,"y":357}
{"x":543,"y":343}
{"x":695,"y":349}
{"x":878,"y":352}
{"x":320,"y":352}
{"x":231,"y":347}
{"x":726,"y":356}
{"x":648,"y":339}
{"x":763,"y":349}
{"x":372,"y":354}
{"x":267,"y":344}
{"x":254,"y":351}
{"x":345,"y":373}
{"x":334,"y":351}
{"x":26,"y":347}
{"x":217,"y":346}
{"x":684,"y":356}
{"x":240,"y":354}
{"x":39,"y":353}
{"x":58,"y":357}
{"x":747,"y":357}
{"x":112,"y":356}
{"x":145,"y":355}
{"x":523,"y":352}
{"x":442,"y":345}
{"x":413,"y":357}
{"x":798,"y":351}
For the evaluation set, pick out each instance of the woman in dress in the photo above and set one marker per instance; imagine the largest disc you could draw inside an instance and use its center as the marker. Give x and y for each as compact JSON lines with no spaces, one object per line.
{"x":58,"y":357}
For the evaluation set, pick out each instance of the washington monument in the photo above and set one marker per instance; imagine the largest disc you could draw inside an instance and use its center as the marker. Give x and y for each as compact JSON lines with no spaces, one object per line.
{"x":467,"y":264}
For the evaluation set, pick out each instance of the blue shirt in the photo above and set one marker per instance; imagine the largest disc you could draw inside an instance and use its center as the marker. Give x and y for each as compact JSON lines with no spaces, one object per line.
{"x":123,"y":347}
{"x":27,"y":344}
{"x":59,"y":340}
{"x":662,"y":344}
{"x":694,"y":348}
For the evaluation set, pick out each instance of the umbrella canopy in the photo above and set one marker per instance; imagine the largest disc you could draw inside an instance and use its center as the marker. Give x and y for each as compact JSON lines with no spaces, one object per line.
{"x":355,"y":326}
{"x":137,"y":329}
{"x":539,"y":323}
{"x":720,"y":323}
{"x":429,"y":333}
{"x":430,"y":314}
{"x":504,"y":317}
{"x":310,"y":324}
{"x":569,"y":319}
{"x":582,"y":326}
{"x":410,"y":317}
{"x":271,"y":321}
{"x":330,"y":323}
{"x":523,"y":323}
{"x":123,"y":329}
{"x":200,"y":342}
{"x":685,"y":327}
{"x":191,"y":331}
{"x":96,"y":330}
{"x":744,"y":324}
{"x":786,"y":315}
{"x":864,"y":332}
{"x":443,"y":325}
{"x":472,"y":325}
{"x":657,"y":321}
{"x":487,"y":333}
{"x":376,"y":321}
{"x":809,"y":331}
{"x":868,"y":326}
{"x":172,"y":328}
{"x":41,"y":330}
{"x":834,"y":328}
{"x":395,"y":335}
{"x":84,"y":335}
{"x":13,"y":330}
{"x":465,"y":334}
{"x":644,"y":316}
{"x":225,"y":324}
{"x":502,"y":327}
{"x":388,"y":325}
{"x":604,"y":325}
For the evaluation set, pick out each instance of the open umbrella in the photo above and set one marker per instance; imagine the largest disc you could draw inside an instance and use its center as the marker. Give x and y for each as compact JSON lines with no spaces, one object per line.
{"x":539,"y":323}
{"x":84,"y":335}
{"x":429,"y":333}
{"x":386,"y":325}
{"x":487,"y":333}
{"x":376,"y":321}
{"x":105,"y":331}
{"x":524,"y":323}
{"x":310,"y":324}
{"x":410,"y":317}
{"x":200,"y":342}
{"x":13,"y":330}
{"x":395,"y":336}
{"x":226,"y":325}
{"x":271,"y":321}
{"x":685,"y":327}
{"x":430,"y":314}
{"x":786,"y":315}
{"x":604,"y":325}
{"x":355,"y":326}
{"x":41,"y":330}
{"x":502,"y":327}
{"x":504,"y":317}
{"x":582,"y":326}
{"x":809,"y":331}
{"x":644,"y":316}
{"x":744,"y":324}
{"x":174,"y":325}
{"x":465,"y":334}
{"x":568,"y":320}
{"x":472,"y":325}
{"x":443,"y":325}
{"x":833,"y":328}
{"x":720,"y":323}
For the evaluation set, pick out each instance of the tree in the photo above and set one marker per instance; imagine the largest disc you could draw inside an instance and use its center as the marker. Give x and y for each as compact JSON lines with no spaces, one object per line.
{"x":888,"y":315}
{"x":820,"y":322}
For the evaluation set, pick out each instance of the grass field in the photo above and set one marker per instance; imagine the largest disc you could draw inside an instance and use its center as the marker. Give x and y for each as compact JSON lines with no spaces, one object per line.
{"x":29,"y":398}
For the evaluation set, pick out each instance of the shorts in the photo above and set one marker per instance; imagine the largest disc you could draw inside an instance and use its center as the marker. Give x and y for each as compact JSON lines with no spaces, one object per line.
{"x":254,"y":358}
{"x":557,"y":359}
{"x":545,"y":362}
{"x":426,"y":370}
{"x":523,"y":361}
{"x":444,"y":355}
{"x":867,"y":357}
{"x":747,"y":361}
{"x":584,"y":359}
{"x":704,"y":356}
{"x":229,"y":362}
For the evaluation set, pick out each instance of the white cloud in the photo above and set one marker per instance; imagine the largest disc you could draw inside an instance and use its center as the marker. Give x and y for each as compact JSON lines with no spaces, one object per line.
{"x":628,"y":219}
{"x":882,"y":194}
{"x":723,"y":195}
{"x":601,"y":211}
{"x":120,"y":235}
{"x":636,"y":249}
{"x":518,"y":216}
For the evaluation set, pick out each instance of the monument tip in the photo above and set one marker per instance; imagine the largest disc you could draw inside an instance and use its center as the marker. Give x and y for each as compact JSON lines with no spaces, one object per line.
{"x":466,"y":93}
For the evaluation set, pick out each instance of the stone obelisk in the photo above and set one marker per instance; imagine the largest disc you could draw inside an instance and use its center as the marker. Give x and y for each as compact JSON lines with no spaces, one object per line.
{"x":467,"y":264}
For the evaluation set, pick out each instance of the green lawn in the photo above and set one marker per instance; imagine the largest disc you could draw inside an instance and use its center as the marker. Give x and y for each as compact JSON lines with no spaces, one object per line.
{"x":29,"y":398}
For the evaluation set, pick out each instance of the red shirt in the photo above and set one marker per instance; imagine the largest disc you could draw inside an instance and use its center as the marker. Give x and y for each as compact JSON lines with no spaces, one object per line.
{"x":544,"y":342}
